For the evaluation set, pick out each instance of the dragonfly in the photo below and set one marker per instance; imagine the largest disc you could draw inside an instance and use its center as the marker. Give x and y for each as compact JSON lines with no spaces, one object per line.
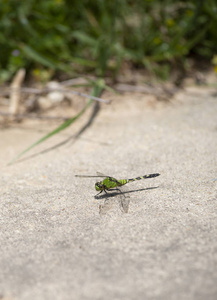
{"x":110,"y":183}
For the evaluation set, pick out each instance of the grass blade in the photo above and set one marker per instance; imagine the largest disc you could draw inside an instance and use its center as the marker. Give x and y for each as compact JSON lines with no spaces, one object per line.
{"x":97,"y":89}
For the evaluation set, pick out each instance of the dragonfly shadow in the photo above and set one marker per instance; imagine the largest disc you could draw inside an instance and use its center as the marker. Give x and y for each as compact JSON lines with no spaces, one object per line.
{"x":108,"y":195}
{"x":123,"y":200}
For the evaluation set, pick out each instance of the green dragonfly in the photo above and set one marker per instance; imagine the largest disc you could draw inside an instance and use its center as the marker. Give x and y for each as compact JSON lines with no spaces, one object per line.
{"x":111,"y":183}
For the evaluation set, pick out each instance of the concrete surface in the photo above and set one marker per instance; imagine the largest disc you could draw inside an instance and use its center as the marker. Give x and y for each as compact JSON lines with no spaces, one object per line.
{"x":59,"y":242}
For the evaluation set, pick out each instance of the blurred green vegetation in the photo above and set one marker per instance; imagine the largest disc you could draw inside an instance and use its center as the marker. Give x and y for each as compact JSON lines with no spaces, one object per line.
{"x":72,"y":37}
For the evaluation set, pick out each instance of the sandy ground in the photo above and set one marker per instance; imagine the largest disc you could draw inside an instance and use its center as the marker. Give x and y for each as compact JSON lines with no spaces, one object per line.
{"x":59,"y":242}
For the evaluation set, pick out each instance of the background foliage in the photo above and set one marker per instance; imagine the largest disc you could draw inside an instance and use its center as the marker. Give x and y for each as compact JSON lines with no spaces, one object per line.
{"x":54,"y":36}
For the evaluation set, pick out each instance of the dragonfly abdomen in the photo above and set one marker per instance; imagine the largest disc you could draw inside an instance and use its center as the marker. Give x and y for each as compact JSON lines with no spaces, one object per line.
{"x":141,"y":177}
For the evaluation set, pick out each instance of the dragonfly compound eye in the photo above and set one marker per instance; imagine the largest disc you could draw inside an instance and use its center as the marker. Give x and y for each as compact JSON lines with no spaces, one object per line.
{"x":98,"y":186}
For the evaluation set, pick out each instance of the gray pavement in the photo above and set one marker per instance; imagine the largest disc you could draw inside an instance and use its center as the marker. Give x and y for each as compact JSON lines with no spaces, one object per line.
{"x":59,"y":242}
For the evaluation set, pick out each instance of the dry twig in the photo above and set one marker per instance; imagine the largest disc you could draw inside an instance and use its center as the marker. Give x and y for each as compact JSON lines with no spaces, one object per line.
{"x":15,"y":91}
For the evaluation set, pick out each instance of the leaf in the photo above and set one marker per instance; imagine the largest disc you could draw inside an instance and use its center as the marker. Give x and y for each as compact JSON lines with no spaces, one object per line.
{"x":97,"y":89}
{"x":31,"y":53}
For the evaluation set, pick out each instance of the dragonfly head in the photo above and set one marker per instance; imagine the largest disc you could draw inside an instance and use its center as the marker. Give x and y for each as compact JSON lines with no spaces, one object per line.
{"x":98,"y":186}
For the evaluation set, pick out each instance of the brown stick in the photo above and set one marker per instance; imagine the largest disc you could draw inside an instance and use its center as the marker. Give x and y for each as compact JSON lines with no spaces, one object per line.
{"x":15,"y":91}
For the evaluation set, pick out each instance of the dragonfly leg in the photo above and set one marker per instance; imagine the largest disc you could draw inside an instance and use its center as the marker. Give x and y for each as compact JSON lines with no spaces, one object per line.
{"x":98,"y":193}
{"x":101,"y":192}
{"x":120,"y":191}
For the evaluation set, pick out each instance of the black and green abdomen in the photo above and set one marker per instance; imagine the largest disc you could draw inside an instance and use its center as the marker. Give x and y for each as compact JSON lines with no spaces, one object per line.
{"x":124,"y":181}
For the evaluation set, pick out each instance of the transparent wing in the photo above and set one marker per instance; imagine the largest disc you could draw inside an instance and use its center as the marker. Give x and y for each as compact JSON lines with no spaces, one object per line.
{"x":116,"y":196}
{"x":123,"y":198}
{"x":98,"y":175}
